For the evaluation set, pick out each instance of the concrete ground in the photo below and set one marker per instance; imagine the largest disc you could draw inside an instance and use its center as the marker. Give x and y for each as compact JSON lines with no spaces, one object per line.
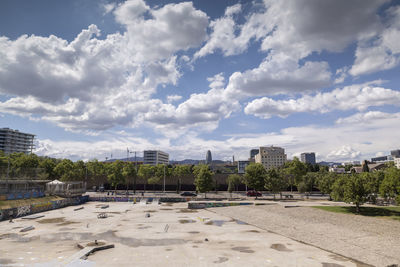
{"x":171,"y":236}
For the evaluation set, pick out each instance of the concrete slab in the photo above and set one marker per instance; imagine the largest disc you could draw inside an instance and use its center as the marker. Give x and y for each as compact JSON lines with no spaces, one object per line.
{"x":192,"y":238}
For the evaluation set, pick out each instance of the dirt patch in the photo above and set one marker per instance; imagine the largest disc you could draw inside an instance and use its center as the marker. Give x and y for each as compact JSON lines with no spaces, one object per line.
{"x":186,"y":211}
{"x":66,"y":229}
{"x":187,"y":221}
{"x":194,"y":246}
{"x":197,"y":241}
{"x":252,"y":231}
{"x":66,"y":223}
{"x":243,"y":249}
{"x":150,"y":211}
{"x":221,"y":260}
{"x":329,"y":264}
{"x":280,"y":247}
{"x":144,"y":227}
{"x":337,"y":257}
{"x":52,"y":220}
{"x":166,"y":209}
{"x":194,"y":232}
{"x":6,"y":261}
{"x":168,"y":249}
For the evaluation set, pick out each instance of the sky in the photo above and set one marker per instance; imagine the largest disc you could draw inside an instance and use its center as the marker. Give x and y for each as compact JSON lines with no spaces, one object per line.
{"x":93,"y":78}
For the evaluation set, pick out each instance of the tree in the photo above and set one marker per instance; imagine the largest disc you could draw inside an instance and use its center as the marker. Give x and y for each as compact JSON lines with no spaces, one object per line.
{"x":115,"y":175}
{"x":365,"y":167}
{"x":233,"y":182}
{"x":203,"y":179}
{"x":325,"y":181}
{"x":178,"y":172}
{"x":145,"y":172}
{"x":274,"y":182}
{"x":351,"y":189}
{"x":254,"y":176}
{"x":295,"y":170}
{"x":390,"y":186}
{"x":65,"y":170}
{"x":306,"y":186}
{"x":96,"y":169}
{"x":48,"y":165}
{"x":130,"y":174}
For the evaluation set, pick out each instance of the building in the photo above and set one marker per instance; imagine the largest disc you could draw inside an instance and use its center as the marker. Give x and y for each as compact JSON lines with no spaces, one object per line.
{"x":253,"y":153}
{"x":208,"y":157}
{"x":337,"y":170}
{"x":382,"y":159}
{"x":15,"y":141}
{"x":308,"y":158}
{"x":397,"y":163}
{"x":395,"y":153}
{"x":241,"y":165}
{"x":154,"y":157}
{"x":271,"y":157}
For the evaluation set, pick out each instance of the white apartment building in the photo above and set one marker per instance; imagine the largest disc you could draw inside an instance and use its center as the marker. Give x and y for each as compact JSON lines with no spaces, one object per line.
{"x":15,"y":141}
{"x":271,"y":157}
{"x":154,"y":157}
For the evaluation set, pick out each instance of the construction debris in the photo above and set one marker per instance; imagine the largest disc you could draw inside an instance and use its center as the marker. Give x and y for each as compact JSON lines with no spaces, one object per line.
{"x":102,"y":215}
{"x":26,"y":229}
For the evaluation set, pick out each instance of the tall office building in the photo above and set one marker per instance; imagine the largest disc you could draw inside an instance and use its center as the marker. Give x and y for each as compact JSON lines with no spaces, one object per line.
{"x":15,"y":141}
{"x":154,"y":157}
{"x":271,"y":157}
{"x":395,"y":153}
{"x":253,"y":153}
{"x":208,"y":157}
{"x":308,"y":158}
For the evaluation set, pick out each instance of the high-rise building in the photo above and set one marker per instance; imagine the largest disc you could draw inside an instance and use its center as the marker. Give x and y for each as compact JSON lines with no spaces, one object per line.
{"x":308,"y":158}
{"x":271,"y":157}
{"x":242,"y":164}
{"x":154,"y":157}
{"x":253,"y":153}
{"x":395,"y":153}
{"x":15,"y":141}
{"x":208,"y":157}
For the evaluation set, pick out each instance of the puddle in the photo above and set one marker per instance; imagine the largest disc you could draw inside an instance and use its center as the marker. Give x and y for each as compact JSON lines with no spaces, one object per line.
{"x":243,"y":249}
{"x":52,"y":220}
{"x":241,"y":222}
{"x":280,"y":247}
{"x":328,"y":264}
{"x":187,"y":221}
{"x":110,"y":236}
{"x":186,"y":211}
{"x":221,"y":260}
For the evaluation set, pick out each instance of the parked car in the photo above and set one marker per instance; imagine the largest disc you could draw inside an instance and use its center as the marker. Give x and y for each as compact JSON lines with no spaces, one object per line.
{"x":188,"y":194}
{"x":253,"y":193}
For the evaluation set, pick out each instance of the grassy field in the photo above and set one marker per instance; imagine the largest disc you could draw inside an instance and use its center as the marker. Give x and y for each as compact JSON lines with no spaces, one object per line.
{"x":6,"y":204}
{"x":385,"y":212}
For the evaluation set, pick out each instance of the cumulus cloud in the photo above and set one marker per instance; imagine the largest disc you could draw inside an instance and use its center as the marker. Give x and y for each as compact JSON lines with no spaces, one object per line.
{"x":173,"y":98}
{"x":280,"y":74}
{"x":381,"y":52}
{"x":354,"y":97}
{"x":347,"y":140}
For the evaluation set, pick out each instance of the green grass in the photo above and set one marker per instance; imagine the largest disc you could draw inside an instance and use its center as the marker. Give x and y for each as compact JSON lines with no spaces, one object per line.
{"x":385,"y":212}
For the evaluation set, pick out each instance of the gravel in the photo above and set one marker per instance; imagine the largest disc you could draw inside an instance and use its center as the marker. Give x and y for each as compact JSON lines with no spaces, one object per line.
{"x":370,"y":240}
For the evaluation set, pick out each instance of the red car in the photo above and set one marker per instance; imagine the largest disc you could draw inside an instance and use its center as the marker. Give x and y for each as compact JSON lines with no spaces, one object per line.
{"x":253,"y":193}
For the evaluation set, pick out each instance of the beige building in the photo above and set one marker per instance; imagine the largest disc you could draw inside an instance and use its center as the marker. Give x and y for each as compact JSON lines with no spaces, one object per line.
{"x":397,"y":162}
{"x":271,"y":157}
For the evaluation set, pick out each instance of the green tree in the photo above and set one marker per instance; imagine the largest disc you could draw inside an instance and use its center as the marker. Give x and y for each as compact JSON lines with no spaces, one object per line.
{"x":274,"y":182}
{"x":115,"y":173}
{"x":295,"y":170}
{"x":254,"y":176}
{"x":338,"y":187}
{"x":325,"y":181}
{"x":145,"y":172}
{"x":96,"y":170}
{"x":203,"y":179}
{"x":130,"y":174}
{"x":178,"y":172}
{"x":390,"y":186}
{"x":48,"y":165}
{"x":307,"y":185}
{"x":65,"y":170}
{"x":351,"y":189}
{"x":80,"y":171}
{"x":233,"y":182}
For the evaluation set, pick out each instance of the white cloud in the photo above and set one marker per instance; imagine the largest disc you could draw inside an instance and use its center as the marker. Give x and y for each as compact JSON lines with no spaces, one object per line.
{"x":108,"y":8}
{"x":340,"y":142}
{"x":341,"y":75}
{"x":381,"y":52}
{"x":280,"y":74}
{"x":173,"y":98}
{"x":354,"y":97}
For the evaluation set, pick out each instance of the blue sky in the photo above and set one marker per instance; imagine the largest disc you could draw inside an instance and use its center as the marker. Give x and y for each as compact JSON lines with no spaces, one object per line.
{"x":93,"y":78}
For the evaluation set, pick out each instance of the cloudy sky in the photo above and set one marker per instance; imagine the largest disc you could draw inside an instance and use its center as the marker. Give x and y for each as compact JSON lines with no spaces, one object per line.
{"x":92,"y":78}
